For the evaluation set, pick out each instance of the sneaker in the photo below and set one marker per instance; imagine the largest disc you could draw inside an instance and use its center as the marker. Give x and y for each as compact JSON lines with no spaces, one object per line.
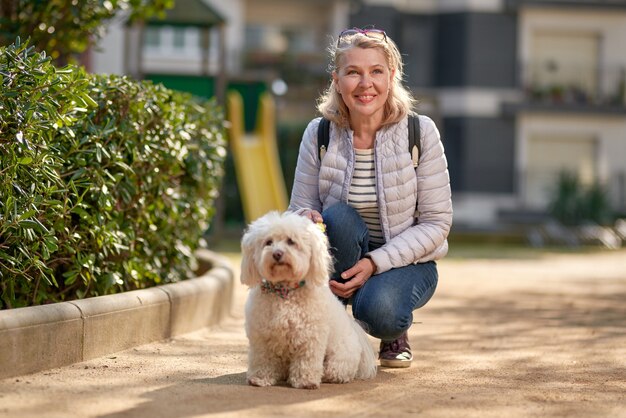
{"x":396,"y":353}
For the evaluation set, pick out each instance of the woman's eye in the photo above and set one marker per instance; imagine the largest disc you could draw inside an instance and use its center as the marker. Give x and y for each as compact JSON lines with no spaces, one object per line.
{"x":290,"y":242}
{"x":268,"y":242}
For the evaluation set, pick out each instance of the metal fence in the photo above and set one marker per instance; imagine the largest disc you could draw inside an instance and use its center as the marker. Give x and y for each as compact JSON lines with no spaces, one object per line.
{"x":552,"y":82}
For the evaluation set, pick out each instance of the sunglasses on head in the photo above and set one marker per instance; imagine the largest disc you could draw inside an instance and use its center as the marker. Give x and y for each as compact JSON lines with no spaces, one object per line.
{"x":369,"y":32}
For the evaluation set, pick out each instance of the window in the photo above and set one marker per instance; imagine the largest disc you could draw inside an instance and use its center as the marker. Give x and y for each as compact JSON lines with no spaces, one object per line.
{"x":549,"y":155}
{"x":266,"y":39}
{"x":565,"y":65}
{"x":178,"y":38}
{"x":277,"y":39}
{"x":152,"y":37}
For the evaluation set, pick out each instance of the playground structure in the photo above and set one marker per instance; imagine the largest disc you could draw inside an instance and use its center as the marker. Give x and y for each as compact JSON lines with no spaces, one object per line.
{"x":255,"y":156}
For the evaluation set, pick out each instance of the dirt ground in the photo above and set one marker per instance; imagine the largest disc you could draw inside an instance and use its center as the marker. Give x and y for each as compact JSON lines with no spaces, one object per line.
{"x":541,"y":336}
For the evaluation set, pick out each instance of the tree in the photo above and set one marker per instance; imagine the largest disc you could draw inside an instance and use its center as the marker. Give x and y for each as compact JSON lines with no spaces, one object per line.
{"x":65,"y":28}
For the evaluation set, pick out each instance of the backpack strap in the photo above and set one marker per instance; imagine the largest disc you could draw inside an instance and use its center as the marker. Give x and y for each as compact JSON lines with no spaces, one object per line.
{"x":415,"y":146}
{"x":415,"y":139}
{"x":323,"y":137}
{"x":415,"y":143}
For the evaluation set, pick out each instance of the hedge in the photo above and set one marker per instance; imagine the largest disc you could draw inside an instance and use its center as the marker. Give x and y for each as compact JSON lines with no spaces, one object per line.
{"x":106,"y":184}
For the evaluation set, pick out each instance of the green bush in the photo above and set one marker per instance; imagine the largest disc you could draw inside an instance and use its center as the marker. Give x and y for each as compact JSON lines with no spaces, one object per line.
{"x":106,"y":184}
{"x":575,"y":204}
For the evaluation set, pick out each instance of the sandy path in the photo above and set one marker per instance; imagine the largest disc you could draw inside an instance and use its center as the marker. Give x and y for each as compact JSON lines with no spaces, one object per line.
{"x":544,"y":337}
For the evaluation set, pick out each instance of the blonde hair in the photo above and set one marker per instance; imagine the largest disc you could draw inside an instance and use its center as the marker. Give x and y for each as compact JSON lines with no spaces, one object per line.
{"x":400,"y":102}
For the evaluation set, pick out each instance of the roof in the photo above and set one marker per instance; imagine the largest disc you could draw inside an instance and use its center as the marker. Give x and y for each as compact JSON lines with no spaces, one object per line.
{"x":189,"y":13}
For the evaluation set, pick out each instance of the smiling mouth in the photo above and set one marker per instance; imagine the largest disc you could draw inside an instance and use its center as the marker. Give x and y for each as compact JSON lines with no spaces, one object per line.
{"x":365,"y":98}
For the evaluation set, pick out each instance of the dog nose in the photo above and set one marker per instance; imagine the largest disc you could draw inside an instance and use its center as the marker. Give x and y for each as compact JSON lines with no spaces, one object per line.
{"x":277,"y":255}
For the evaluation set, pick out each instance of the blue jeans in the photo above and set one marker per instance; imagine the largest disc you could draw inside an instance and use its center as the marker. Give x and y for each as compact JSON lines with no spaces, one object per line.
{"x":385,"y":303}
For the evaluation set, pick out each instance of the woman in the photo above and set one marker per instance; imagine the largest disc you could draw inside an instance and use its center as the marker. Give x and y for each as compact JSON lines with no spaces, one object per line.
{"x":387,"y":222}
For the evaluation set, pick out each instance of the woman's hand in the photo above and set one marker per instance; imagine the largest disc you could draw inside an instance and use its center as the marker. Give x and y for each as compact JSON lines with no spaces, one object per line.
{"x":310,"y":214}
{"x":356,"y":275}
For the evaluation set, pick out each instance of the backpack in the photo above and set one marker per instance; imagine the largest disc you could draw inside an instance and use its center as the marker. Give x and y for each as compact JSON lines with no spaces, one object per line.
{"x":415,"y":143}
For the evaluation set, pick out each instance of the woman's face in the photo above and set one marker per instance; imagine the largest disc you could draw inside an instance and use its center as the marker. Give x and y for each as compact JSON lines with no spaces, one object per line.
{"x":363,"y":79}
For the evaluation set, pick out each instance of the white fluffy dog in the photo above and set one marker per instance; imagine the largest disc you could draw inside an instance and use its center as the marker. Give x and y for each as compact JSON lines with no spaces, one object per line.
{"x":298,"y":330}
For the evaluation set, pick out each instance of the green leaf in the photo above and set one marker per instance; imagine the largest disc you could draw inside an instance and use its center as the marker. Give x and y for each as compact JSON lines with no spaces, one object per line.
{"x":51,"y":243}
{"x":88,"y":100}
{"x":70,"y":276}
{"x":29,"y":223}
{"x":28,"y":214}
{"x":80,"y":212}
{"x":79,"y":173}
{"x":45,"y":253}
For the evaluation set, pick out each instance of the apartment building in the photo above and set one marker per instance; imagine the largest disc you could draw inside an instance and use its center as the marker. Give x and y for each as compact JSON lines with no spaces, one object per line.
{"x":521,"y":89}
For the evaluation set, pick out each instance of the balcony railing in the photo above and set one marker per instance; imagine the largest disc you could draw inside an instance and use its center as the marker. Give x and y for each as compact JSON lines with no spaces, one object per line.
{"x":552,"y":84}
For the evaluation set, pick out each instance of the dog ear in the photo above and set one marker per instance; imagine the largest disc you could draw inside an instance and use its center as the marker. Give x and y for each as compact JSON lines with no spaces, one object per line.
{"x":249,"y":243}
{"x":321,"y":259}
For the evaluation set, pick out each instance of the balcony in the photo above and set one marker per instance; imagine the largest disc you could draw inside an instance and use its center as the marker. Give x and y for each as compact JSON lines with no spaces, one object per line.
{"x":550,"y":86}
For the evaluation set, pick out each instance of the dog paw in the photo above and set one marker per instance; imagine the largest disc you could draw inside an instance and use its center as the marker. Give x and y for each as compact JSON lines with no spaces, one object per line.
{"x":304,"y":384}
{"x":335,"y":374}
{"x":260,"y":381}
{"x":336,"y":379}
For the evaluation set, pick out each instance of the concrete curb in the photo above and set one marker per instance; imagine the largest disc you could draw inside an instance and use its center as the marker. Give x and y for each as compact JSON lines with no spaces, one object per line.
{"x":43,"y":337}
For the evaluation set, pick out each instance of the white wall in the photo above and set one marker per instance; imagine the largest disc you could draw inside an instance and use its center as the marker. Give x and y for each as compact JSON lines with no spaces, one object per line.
{"x":480,"y":209}
{"x":108,"y":55}
{"x":234,"y":13}
{"x":475,"y":102}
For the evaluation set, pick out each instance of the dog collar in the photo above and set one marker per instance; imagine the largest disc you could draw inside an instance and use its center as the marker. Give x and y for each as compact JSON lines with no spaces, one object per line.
{"x":279,"y":289}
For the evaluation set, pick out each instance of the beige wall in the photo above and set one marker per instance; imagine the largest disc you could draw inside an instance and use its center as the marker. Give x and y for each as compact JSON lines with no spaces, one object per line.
{"x":610,"y":26}
{"x":607,"y":132}
{"x":287,"y":12}
{"x":601,"y":33}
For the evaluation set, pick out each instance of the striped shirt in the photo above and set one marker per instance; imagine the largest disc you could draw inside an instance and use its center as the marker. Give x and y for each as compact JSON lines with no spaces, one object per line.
{"x":362,"y":194}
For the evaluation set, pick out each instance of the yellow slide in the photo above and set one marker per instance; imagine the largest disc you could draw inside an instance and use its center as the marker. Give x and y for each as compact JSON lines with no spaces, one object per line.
{"x":257,"y":166}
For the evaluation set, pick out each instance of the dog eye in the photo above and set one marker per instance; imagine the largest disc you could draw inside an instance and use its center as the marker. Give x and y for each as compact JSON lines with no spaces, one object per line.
{"x":290,"y":242}
{"x":268,"y":242}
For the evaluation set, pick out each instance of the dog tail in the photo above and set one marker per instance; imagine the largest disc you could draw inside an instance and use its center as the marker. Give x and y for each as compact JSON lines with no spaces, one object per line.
{"x":367,"y":365}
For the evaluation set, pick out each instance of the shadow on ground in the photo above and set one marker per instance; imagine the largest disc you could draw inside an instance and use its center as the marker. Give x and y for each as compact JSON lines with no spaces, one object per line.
{"x":231,"y":393}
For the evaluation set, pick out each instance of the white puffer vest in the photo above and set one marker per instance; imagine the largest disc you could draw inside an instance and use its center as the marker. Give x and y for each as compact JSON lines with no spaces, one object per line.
{"x":411,"y":236}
